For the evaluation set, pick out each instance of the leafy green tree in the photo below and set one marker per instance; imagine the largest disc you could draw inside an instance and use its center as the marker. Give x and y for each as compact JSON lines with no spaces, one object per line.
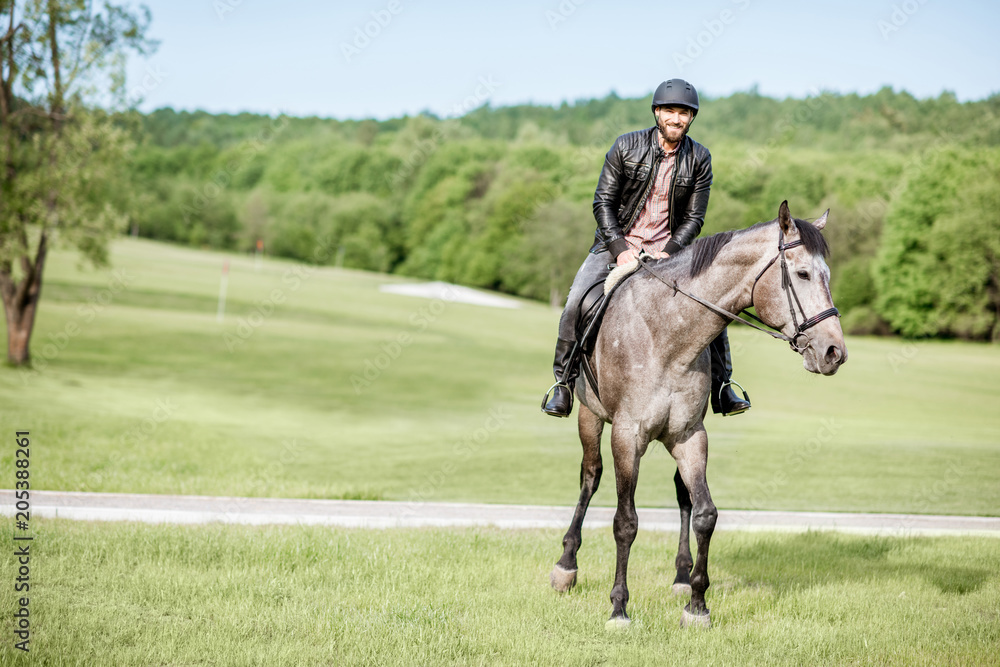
{"x":513,"y":197}
{"x":255,"y":221}
{"x":855,"y":286}
{"x":554,"y":244}
{"x":938,"y":270}
{"x":443,"y":207}
{"x":59,"y":158}
{"x":317,"y":228}
{"x":216,"y":225}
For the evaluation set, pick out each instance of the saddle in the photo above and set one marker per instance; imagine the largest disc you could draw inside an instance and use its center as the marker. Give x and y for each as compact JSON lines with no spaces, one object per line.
{"x":588,"y":320}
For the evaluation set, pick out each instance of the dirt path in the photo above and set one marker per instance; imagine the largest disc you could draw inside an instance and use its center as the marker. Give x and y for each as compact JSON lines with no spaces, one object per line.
{"x":387,"y":514}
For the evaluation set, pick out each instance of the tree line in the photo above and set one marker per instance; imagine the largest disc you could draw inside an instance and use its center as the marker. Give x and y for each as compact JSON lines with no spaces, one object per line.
{"x":500,"y":198}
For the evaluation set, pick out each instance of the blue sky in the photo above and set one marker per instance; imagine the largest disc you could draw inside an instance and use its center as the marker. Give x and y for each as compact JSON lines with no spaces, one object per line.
{"x":386,"y":58}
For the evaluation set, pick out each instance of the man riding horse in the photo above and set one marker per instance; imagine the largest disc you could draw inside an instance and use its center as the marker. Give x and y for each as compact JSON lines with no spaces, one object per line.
{"x":651,"y":197}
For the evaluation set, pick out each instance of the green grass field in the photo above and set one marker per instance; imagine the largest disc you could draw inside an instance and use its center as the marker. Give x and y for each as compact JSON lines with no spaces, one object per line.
{"x":137,"y":388}
{"x":133,"y":594}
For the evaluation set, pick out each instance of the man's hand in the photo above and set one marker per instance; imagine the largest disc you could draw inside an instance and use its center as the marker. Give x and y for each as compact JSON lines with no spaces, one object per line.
{"x":631,"y":254}
{"x":625,"y":257}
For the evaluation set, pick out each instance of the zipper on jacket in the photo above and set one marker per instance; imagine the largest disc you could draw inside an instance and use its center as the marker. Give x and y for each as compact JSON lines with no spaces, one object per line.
{"x":673,"y":182}
{"x":653,"y":169}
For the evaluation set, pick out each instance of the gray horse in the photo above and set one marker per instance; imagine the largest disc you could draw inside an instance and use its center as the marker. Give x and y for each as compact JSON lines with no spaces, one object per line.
{"x":652,"y":369}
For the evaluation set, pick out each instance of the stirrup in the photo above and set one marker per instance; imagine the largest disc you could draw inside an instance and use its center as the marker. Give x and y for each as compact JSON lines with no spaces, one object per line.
{"x":549,"y":391}
{"x":743,"y":391}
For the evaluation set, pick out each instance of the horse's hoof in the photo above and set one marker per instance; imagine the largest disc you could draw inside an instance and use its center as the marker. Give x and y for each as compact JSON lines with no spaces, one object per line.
{"x":562,"y":580}
{"x":618,"y":623}
{"x":689,"y":620}
{"x":681,"y":589}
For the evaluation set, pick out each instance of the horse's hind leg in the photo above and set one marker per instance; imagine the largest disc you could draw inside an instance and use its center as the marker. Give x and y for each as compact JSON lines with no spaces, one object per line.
{"x":692,"y":460}
{"x":682,"y":583}
{"x":591,"y":426}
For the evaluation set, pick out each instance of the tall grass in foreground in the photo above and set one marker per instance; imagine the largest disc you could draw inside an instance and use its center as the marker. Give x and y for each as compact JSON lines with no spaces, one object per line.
{"x":133,"y":594}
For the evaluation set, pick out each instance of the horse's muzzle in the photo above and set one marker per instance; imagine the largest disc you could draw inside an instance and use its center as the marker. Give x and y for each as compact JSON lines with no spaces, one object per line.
{"x":824,"y":357}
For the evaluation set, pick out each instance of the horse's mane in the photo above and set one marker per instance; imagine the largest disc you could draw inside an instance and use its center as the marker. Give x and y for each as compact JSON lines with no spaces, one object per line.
{"x":705,"y":250}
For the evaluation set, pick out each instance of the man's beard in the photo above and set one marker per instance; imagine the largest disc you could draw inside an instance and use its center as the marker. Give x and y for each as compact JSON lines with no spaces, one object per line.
{"x":671,"y":135}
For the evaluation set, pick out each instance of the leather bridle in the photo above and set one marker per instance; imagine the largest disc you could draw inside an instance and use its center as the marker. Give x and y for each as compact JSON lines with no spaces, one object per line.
{"x":786,"y":286}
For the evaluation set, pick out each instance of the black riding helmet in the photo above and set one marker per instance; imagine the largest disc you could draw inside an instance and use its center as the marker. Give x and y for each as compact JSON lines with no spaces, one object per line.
{"x":676,"y":92}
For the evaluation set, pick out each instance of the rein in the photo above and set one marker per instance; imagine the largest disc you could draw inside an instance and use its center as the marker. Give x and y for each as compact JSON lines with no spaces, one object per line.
{"x":786,"y":286}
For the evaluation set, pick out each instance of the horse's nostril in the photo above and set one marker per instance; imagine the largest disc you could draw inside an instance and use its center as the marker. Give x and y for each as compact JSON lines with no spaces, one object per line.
{"x":833,"y":355}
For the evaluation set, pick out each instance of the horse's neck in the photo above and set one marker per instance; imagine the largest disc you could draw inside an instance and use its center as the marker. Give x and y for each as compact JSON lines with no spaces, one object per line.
{"x":727,"y":283}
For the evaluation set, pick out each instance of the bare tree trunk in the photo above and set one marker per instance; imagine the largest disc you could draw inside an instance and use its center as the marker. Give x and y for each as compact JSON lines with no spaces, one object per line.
{"x":20,"y":303}
{"x":19,"y":337}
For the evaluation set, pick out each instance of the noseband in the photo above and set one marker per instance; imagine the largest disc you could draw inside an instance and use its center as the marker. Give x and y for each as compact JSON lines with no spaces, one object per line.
{"x":786,"y":286}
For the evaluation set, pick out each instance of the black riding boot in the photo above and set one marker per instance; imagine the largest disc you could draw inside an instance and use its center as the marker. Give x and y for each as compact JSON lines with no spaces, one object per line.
{"x":558,"y":400}
{"x":724,"y":399}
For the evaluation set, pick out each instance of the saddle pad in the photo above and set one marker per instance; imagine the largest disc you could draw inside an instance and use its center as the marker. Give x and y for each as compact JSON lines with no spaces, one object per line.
{"x":618,"y":274}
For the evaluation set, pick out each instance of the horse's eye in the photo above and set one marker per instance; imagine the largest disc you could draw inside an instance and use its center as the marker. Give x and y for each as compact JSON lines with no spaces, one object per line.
{"x":804,"y":275}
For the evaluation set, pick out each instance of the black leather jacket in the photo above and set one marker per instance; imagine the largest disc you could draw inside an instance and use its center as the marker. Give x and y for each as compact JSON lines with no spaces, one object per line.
{"x":626,"y":180}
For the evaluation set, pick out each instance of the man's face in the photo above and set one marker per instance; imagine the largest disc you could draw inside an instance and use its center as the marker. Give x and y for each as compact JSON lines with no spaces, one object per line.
{"x":673,"y":122}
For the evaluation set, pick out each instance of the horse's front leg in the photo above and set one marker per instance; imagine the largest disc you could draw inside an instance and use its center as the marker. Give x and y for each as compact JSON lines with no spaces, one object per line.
{"x":627,"y":450}
{"x":692,"y":460}
{"x":563,"y":576}
{"x":683,"y":563}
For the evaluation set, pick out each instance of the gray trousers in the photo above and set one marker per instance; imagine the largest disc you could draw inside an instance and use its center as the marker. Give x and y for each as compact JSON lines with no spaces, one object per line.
{"x":594,"y":268}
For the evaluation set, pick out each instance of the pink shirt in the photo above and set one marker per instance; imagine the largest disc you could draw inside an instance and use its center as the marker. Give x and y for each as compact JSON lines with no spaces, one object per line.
{"x":651,"y":229}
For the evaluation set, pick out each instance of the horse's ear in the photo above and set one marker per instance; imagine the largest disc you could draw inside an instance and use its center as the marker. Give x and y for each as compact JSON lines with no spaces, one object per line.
{"x":784,"y":219}
{"x":820,"y":222}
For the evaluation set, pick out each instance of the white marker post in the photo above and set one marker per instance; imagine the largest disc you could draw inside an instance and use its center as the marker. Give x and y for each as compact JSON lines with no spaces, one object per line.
{"x":257,"y":254}
{"x":223,"y":285}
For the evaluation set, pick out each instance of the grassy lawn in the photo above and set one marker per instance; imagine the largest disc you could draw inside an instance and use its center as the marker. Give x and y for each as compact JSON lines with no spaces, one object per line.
{"x":137,"y":388}
{"x":133,"y":594}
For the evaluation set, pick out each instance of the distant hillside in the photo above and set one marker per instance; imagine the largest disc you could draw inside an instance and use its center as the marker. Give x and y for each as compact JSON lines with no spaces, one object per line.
{"x":500,"y":198}
{"x":746,"y":116}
